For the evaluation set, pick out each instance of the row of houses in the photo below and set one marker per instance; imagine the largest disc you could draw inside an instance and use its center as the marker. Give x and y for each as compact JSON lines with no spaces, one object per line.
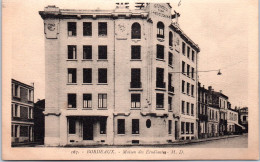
{"x":216,"y":117}
{"x":125,"y":76}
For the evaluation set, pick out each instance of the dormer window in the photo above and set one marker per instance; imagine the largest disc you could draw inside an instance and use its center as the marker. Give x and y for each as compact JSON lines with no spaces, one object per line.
{"x":136,"y":31}
{"x":160,"y":30}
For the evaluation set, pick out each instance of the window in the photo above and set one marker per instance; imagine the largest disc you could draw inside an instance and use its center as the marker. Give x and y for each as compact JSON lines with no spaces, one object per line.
{"x":15,"y":110}
{"x":87,"y":52}
{"x":159,"y":100}
{"x":170,"y":59}
{"x":72,"y":28}
{"x":192,"y":73}
{"x":183,"y":87}
{"x":183,"y":48}
{"x":120,"y":126}
{"x":102,"y":100}
{"x":72,"y":126}
{"x":87,"y":100}
{"x":24,"y":132}
{"x":72,"y":75}
{"x":188,"y":70}
{"x":72,"y":100}
{"x":102,"y":29}
{"x":135,"y":78}
{"x":182,"y":127}
{"x":187,"y":128}
{"x":192,"y":109}
{"x":16,"y":90}
{"x":72,"y":52}
{"x":135,"y":126}
{"x":192,"y":55}
{"x":102,"y":75}
{"x":188,"y":52}
{"x":103,"y":125}
{"x":30,"y":95}
{"x":170,"y":103}
{"x":102,"y":52}
{"x":192,"y":90}
{"x":188,"y":108}
{"x":24,"y":112}
{"x":136,"y":31}
{"x":135,"y":100}
{"x":87,"y":75}
{"x":170,"y":127}
{"x":135,"y":52}
{"x":87,"y":29}
{"x":160,"y":52}
{"x":160,"y":78}
{"x":30,"y":113}
{"x":192,"y":128}
{"x":183,"y":107}
{"x":170,"y":38}
{"x":148,"y":123}
{"x":160,"y":30}
{"x":188,"y":88}
{"x":183,"y":67}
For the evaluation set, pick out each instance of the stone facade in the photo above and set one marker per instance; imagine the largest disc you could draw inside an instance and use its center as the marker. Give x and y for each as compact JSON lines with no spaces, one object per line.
{"x":116,"y":77}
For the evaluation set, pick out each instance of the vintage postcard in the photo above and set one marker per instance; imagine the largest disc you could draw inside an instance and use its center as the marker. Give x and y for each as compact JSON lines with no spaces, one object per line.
{"x":130,"y":80}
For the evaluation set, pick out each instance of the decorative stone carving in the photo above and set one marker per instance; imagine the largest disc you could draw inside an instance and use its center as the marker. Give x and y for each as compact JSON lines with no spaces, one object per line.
{"x":51,"y":28}
{"x":121,"y":31}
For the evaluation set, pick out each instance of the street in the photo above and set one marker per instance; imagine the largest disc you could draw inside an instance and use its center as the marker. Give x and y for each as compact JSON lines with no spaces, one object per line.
{"x":235,"y":142}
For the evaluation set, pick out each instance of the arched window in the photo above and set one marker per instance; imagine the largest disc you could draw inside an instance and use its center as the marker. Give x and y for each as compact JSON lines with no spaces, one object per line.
{"x":160,"y":30}
{"x":170,"y":38}
{"x":136,"y":31}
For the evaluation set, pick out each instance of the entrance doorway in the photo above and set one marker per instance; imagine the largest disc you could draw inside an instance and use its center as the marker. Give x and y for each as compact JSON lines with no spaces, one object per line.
{"x":88,"y":129}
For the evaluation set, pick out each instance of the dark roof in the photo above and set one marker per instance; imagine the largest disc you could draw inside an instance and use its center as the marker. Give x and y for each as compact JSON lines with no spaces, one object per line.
{"x":23,"y":84}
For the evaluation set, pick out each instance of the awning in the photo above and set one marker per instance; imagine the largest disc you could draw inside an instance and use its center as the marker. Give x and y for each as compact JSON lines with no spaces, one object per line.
{"x":240,"y":126}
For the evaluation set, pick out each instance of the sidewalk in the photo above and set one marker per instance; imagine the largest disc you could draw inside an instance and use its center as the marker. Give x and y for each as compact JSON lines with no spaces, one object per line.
{"x":181,"y":142}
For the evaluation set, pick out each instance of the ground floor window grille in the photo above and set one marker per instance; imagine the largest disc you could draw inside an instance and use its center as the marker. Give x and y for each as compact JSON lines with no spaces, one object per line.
{"x":135,"y":126}
{"x":103,"y":123}
{"x":72,"y":126}
{"x":121,"y":126}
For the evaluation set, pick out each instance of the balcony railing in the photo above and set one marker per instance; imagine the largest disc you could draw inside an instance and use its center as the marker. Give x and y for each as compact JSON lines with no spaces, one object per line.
{"x":160,"y":84}
{"x":170,"y":88}
{"x":135,"y":84}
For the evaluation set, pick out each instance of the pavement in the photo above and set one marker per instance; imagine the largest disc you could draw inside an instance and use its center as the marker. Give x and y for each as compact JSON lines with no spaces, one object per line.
{"x":174,"y":143}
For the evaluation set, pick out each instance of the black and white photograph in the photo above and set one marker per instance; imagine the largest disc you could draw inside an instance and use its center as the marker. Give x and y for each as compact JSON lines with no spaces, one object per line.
{"x":130,"y":80}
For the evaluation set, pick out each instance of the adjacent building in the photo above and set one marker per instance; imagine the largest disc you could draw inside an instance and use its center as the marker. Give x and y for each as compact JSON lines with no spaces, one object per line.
{"x":243,"y":117}
{"x":22,"y":112}
{"x":203,"y":104}
{"x":118,"y":76}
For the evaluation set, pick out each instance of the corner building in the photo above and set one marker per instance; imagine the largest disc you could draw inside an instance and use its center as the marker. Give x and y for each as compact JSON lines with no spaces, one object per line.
{"x":113,"y":76}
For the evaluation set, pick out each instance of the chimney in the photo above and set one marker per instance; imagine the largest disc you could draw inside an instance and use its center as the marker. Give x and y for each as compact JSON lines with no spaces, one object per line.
{"x":220,"y":91}
{"x":210,"y":88}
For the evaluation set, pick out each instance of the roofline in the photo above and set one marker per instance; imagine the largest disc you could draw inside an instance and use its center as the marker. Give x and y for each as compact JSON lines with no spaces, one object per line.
{"x":21,"y":83}
{"x":177,"y":29}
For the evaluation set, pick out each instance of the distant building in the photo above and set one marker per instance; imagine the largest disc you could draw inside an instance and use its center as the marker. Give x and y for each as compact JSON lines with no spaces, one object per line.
{"x":203,"y":103}
{"x":39,"y":108}
{"x":243,"y":117}
{"x":232,"y":121}
{"x":22,"y":112}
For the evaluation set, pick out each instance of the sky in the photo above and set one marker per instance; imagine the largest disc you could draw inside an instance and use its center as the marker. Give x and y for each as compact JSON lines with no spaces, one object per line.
{"x":220,"y":28}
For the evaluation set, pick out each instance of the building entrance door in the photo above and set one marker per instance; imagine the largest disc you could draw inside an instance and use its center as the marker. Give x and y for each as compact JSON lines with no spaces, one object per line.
{"x":87,"y":130}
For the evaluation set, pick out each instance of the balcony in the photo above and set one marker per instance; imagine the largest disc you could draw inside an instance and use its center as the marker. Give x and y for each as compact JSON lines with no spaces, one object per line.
{"x":170,"y":89}
{"x":160,"y":84}
{"x":135,"y":84}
